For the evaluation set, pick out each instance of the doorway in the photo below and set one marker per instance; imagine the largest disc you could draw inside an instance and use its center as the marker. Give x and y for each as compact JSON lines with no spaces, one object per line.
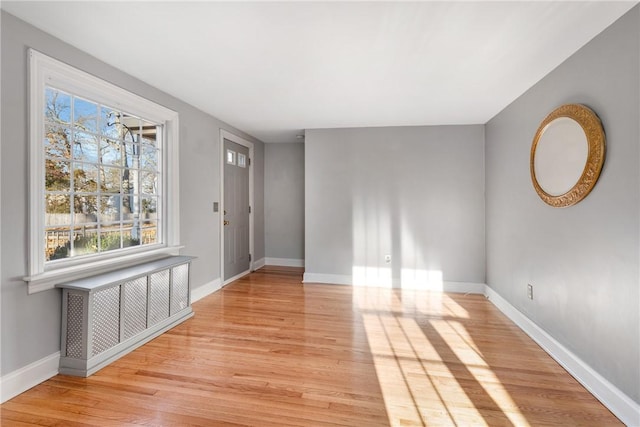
{"x":237,"y":197}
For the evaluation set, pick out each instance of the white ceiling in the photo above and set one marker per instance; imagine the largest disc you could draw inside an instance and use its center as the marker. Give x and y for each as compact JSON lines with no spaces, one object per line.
{"x":274,"y":69}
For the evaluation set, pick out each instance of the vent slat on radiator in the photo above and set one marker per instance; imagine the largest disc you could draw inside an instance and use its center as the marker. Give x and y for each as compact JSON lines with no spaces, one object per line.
{"x":135,"y":306}
{"x":106,"y":320}
{"x":75,"y":325}
{"x":180,"y":286}
{"x":158,"y":297}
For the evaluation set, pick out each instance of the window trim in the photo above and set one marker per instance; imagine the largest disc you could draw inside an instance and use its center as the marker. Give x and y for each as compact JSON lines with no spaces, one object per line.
{"x":43,"y":71}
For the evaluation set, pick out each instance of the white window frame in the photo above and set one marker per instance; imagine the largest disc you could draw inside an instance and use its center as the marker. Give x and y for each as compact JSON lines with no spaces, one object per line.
{"x":46,"y":71}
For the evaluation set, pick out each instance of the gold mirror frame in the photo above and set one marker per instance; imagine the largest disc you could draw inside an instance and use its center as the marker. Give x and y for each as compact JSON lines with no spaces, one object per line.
{"x":594,"y":132}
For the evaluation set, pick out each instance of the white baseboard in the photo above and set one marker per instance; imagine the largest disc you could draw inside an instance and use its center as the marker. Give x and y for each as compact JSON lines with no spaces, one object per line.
{"x":204,"y":290}
{"x":337,"y":279}
{"x":236,"y":277}
{"x":284,"y":262}
{"x":463,"y":287}
{"x":29,"y":376}
{"x":329,"y":279}
{"x":258,"y":264}
{"x":622,"y":406}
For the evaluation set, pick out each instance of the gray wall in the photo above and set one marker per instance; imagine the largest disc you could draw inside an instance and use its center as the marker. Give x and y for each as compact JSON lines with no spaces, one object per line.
{"x":284,"y":200}
{"x":258,"y":200}
{"x":416,"y":193}
{"x":31,"y":323}
{"x":582,"y":260}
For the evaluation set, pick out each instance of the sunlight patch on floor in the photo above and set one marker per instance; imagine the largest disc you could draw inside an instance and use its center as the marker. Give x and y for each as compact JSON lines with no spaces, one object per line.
{"x":461,"y":343}
{"x":431,"y":368}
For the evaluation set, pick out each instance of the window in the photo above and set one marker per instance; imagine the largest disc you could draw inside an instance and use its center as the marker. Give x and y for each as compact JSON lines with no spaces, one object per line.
{"x":242,"y":160}
{"x":231,"y":157}
{"x":104,"y":175}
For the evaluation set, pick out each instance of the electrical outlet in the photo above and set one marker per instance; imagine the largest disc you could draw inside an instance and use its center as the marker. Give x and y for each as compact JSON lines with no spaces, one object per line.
{"x":530,"y":291}
{"x":387,"y":258}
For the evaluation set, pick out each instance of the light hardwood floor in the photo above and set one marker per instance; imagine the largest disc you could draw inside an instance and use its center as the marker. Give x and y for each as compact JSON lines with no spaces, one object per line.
{"x":267,"y":350}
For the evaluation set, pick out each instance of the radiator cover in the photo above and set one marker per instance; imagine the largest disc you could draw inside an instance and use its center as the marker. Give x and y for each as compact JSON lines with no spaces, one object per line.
{"x":108,"y":315}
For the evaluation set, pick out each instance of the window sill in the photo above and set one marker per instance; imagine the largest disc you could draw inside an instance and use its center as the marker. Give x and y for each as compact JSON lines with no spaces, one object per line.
{"x":49,"y":279}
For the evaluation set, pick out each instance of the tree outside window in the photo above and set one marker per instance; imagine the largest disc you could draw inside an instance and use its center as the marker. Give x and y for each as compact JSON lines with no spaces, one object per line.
{"x":101,"y":177}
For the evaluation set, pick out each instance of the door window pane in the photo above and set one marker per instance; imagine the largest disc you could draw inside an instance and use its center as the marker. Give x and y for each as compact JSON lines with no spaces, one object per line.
{"x":231,"y":157}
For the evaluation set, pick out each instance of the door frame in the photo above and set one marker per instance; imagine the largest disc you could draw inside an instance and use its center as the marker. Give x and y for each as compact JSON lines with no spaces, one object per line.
{"x":238,"y":140}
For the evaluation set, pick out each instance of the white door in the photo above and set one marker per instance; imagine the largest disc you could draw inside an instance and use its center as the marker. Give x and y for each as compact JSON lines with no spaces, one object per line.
{"x":236,"y":210}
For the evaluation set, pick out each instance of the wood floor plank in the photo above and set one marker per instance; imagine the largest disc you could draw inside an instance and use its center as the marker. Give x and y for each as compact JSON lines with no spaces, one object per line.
{"x":269,"y":351}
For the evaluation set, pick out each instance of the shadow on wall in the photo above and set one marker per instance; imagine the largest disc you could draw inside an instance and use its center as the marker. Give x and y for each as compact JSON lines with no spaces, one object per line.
{"x":389,"y":244}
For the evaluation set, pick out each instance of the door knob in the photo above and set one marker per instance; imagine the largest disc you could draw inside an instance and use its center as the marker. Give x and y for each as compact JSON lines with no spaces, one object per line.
{"x":225,"y":222}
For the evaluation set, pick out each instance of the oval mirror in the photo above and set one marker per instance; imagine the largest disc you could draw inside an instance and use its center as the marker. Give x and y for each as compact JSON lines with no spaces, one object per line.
{"x":567,"y":155}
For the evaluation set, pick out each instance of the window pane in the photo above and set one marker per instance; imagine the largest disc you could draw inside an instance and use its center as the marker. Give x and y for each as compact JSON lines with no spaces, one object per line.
{"x":130,"y":128}
{"x":110,"y":179}
{"x":242,"y":160}
{"x":132,"y":155}
{"x":231,"y":157}
{"x":85,"y":147}
{"x":110,"y":240}
{"x":57,"y":209}
{"x":57,"y":141}
{"x":150,"y":233}
{"x":85,"y":208}
{"x":85,"y":177}
{"x":57,"y":106}
{"x":149,"y":133}
{"x":110,"y":122}
{"x":56,"y":175}
{"x":109,"y":210}
{"x":149,"y":181}
{"x":85,"y":115}
{"x":149,"y":158}
{"x":85,"y":240}
{"x":110,"y":152}
{"x":131,"y":235}
{"x":149,"y":208}
{"x":130,"y":207}
{"x":57,"y":244}
{"x":130,"y":184}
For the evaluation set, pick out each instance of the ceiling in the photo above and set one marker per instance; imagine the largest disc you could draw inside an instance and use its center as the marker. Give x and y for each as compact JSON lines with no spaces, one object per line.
{"x":275,"y":69}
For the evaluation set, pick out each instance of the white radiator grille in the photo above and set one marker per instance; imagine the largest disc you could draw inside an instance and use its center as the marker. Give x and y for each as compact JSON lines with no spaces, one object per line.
{"x":74,"y":325}
{"x":135,"y":306}
{"x":106,"y":320}
{"x":158,"y":297}
{"x":109,"y":314}
{"x":180,"y":284}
